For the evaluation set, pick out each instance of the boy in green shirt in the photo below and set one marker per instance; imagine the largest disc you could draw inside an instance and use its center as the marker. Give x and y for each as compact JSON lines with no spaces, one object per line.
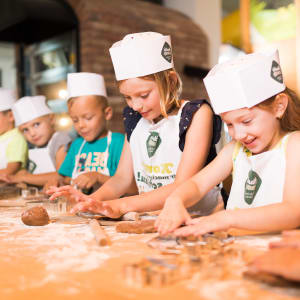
{"x":13,"y":147}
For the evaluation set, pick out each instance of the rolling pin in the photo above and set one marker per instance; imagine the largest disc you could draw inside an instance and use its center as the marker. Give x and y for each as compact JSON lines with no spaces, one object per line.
{"x":100,"y":235}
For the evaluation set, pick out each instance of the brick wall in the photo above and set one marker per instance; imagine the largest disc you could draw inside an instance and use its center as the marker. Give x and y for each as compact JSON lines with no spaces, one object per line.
{"x":103,"y":22}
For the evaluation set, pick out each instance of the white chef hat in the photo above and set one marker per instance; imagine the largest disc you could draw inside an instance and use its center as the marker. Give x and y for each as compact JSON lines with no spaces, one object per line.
{"x":84,"y":84}
{"x":29,"y":108}
{"x":244,"y":81}
{"x":141,"y":54}
{"x":7,"y":99}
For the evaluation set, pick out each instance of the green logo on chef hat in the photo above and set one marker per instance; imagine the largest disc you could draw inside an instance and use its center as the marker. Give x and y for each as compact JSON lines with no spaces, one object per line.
{"x":166,"y":52}
{"x":276,"y":73}
{"x":252,"y":185}
{"x":152,"y":143}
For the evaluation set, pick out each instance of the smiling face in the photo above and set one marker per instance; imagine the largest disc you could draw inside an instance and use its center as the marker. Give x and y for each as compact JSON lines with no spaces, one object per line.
{"x":89,"y":117}
{"x":256,"y":128}
{"x":142,"y":96}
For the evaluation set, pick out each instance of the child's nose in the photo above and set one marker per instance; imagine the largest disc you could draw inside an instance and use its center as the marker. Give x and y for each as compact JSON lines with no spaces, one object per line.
{"x":32,"y":132}
{"x":239,"y":134}
{"x":136,"y":104}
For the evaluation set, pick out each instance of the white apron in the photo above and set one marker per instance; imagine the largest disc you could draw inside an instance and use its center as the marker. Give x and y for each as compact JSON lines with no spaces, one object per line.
{"x":258,"y":180}
{"x":3,"y":158}
{"x":40,"y":160}
{"x":105,"y":171}
{"x":155,"y":152}
{"x":156,"y":156}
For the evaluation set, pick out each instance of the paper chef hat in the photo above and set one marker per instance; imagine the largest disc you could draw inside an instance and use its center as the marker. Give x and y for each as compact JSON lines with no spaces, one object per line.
{"x":84,"y":84}
{"x":244,"y":81}
{"x":7,"y":99}
{"x":141,"y":54}
{"x":29,"y":108}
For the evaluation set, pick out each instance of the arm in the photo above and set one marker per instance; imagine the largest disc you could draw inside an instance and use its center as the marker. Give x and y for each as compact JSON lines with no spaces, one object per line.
{"x":34,"y":179}
{"x":174,"y":213}
{"x":11,"y":168}
{"x":59,"y":157}
{"x":274,"y":217}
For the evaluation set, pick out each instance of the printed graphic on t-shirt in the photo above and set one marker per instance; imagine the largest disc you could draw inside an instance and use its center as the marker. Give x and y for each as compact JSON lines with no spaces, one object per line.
{"x":276,"y":73}
{"x":152,"y":143}
{"x":91,"y":162}
{"x":166,"y":52}
{"x":252,"y":185}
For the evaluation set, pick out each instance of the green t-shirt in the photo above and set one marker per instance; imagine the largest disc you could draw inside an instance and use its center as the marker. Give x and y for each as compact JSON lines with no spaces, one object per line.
{"x":15,"y":146}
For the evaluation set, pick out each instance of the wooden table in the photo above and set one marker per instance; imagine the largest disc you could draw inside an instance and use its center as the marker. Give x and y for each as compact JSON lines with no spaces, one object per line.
{"x":62,"y":261}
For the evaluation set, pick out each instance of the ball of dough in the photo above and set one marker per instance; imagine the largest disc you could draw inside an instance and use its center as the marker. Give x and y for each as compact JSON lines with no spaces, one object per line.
{"x":35,"y":216}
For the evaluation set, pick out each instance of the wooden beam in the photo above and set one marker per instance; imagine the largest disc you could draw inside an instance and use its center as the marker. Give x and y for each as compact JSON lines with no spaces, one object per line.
{"x":245,"y":25}
{"x":297,"y":4}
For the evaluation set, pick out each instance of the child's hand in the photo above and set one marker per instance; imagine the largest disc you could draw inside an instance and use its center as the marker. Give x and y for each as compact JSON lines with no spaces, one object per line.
{"x":110,"y":208}
{"x":4,"y":177}
{"x":18,"y":177}
{"x":199,"y":226}
{"x":54,"y":182}
{"x":172,"y":216}
{"x":86,"y":180}
{"x":67,"y":191}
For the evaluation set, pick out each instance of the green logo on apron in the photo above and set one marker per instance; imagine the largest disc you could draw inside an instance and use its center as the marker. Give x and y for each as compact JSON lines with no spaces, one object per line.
{"x":153,"y":143}
{"x":166,"y":52}
{"x":31,"y":166}
{"x":252,"y":185}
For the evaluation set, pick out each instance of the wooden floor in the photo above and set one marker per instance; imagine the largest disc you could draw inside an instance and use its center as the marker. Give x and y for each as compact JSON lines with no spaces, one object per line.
{"x":62,"y":261}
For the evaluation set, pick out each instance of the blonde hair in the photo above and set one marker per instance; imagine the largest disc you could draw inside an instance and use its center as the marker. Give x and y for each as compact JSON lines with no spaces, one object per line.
{"x":290,"y":120}
{"x":101,"y":99}
{"x":169,"y":89}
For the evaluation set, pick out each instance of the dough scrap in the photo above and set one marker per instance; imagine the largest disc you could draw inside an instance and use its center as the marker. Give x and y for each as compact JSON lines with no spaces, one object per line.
{"x":35,"y":216}
{"x":142,"y":226}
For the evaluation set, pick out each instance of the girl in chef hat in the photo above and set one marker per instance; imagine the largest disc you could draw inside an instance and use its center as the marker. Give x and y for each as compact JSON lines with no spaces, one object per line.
{"x":35,"y":121}
{"x":262,"y":117}
{"x":13,"y":147}
{"x":168,"y":139}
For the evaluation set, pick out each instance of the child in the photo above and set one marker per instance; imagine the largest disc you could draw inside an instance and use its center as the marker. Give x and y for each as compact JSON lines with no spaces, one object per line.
{"x":46,"y":147}
{"x":94,"y":156}
{"x":13,"y":147}
{"x":262,"y":117}
{"x":162,"y":131}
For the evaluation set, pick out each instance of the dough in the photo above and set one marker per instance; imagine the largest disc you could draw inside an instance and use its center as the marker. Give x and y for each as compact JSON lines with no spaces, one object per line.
{"x":142,"y":226}
{"x":35,"y":216}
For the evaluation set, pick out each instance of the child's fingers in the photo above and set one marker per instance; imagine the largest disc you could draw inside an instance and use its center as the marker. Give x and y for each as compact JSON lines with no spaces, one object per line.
{"x":81,"y":206}
{"x":165,"y":226}
{"x":56,"y":195}
{"x":193,"y":221}
{"x":185,"y":231}
{"x":59,"y":189}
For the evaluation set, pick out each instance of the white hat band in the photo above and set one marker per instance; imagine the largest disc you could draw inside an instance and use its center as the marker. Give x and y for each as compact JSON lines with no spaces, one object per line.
{"x":245,"y":81}
{"x":141,"y":54}
{"x":7,"y":99}
{"x":85,"y":84}
{"x":30,"y":108}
